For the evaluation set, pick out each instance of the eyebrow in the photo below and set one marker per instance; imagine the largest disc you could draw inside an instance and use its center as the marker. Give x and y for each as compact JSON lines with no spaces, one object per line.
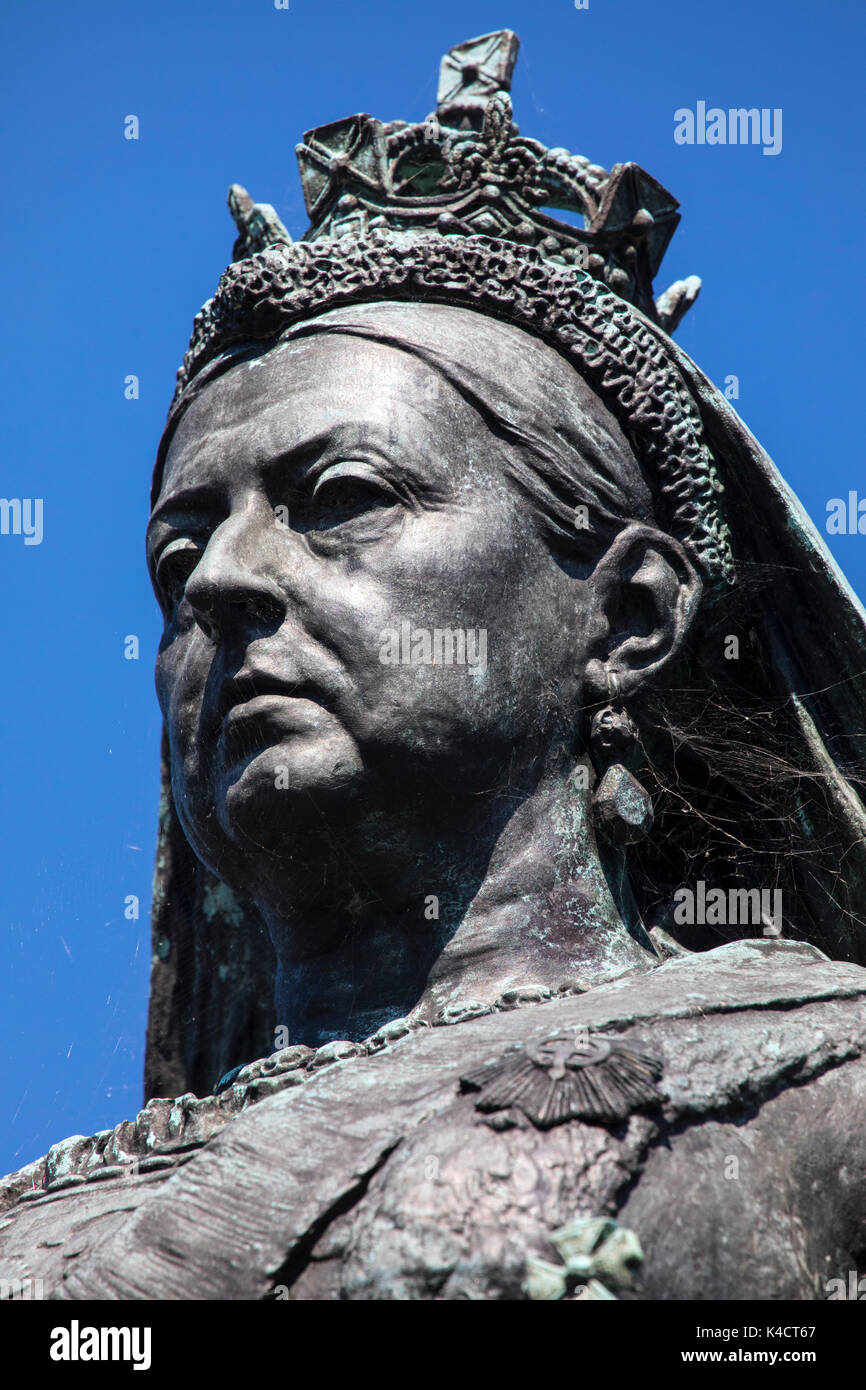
{"x":206,"y":497}
{"x":203,"y":500}
{"x":298,"y":457}
{"x":301,"y":457}
{"x":177,"y":507}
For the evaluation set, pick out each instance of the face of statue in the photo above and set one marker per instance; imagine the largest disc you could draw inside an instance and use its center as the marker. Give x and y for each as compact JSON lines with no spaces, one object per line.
{"x":334,"y":525}
{"x":368,"y":636}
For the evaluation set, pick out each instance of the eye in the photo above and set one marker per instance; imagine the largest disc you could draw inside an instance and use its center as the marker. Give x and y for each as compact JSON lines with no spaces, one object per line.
{"x":348,"y":492}
{"x":174,"y":567}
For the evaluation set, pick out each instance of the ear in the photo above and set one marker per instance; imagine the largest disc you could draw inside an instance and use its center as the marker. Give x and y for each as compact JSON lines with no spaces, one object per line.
{"x":643,"y":595}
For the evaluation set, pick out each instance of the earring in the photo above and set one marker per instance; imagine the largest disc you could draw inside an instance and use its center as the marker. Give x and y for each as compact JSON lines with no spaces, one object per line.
{"x":623,"y":807}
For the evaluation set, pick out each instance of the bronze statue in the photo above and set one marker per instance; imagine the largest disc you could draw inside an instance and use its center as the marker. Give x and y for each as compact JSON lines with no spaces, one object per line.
{"x":512,"y":819}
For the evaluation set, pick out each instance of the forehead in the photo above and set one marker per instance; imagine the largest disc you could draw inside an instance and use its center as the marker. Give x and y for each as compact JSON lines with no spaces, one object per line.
{"x":300,"y":393}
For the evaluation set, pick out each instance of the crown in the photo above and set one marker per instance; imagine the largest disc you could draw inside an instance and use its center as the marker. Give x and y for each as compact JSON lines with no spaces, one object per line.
{"x":467,"y":171}
{"x":449,"y":211}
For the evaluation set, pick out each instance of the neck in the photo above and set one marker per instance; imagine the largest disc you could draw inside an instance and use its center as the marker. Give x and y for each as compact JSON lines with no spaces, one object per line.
{"x":490,"y":902}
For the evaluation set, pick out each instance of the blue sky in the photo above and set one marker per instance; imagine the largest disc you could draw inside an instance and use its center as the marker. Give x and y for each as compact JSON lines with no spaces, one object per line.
{"x":110,"y":246}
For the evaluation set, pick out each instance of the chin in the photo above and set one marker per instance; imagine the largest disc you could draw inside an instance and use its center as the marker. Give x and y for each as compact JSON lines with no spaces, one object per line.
{"x":268,"y":795}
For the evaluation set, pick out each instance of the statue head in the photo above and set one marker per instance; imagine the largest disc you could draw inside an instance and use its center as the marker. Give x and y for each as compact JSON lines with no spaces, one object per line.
{"x":448,"y":538}
{"x":398,"y":552}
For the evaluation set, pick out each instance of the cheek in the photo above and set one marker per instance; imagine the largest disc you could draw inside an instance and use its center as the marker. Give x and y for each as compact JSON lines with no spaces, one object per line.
{"x":457,"y":563}
{"x":484,"y":589}
{"x":180,"y":678}
{"x":164,"y":685}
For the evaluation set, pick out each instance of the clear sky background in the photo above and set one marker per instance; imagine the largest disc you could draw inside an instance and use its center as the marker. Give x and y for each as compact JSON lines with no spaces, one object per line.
{"x":109,"y":248}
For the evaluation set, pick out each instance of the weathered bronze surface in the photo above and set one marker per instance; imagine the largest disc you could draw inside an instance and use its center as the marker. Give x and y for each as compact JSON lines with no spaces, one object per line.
{"x":449,"y":538}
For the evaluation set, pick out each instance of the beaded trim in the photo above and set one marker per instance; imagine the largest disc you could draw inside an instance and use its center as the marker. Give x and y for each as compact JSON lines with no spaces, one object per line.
{"x":167,"y":1132}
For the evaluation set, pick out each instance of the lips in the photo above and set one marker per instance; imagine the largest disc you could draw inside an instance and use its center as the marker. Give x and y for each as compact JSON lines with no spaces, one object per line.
{"x":250,"y":685}
{"x":260,"y":712}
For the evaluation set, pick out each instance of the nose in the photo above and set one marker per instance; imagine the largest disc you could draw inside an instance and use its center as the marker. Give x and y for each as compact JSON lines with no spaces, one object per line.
{"x":230,"y":589}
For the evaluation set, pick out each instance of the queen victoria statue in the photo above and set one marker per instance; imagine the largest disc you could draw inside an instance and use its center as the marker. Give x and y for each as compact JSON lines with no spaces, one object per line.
{"x":510,"y":899}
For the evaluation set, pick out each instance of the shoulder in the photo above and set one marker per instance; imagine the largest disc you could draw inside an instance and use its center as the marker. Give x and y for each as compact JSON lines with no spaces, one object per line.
{"x":403,"y":1173}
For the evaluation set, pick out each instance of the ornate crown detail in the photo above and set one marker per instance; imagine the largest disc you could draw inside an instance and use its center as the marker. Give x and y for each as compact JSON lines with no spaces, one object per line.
{"x":466,"y":171}
{"x":448,"y":211}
